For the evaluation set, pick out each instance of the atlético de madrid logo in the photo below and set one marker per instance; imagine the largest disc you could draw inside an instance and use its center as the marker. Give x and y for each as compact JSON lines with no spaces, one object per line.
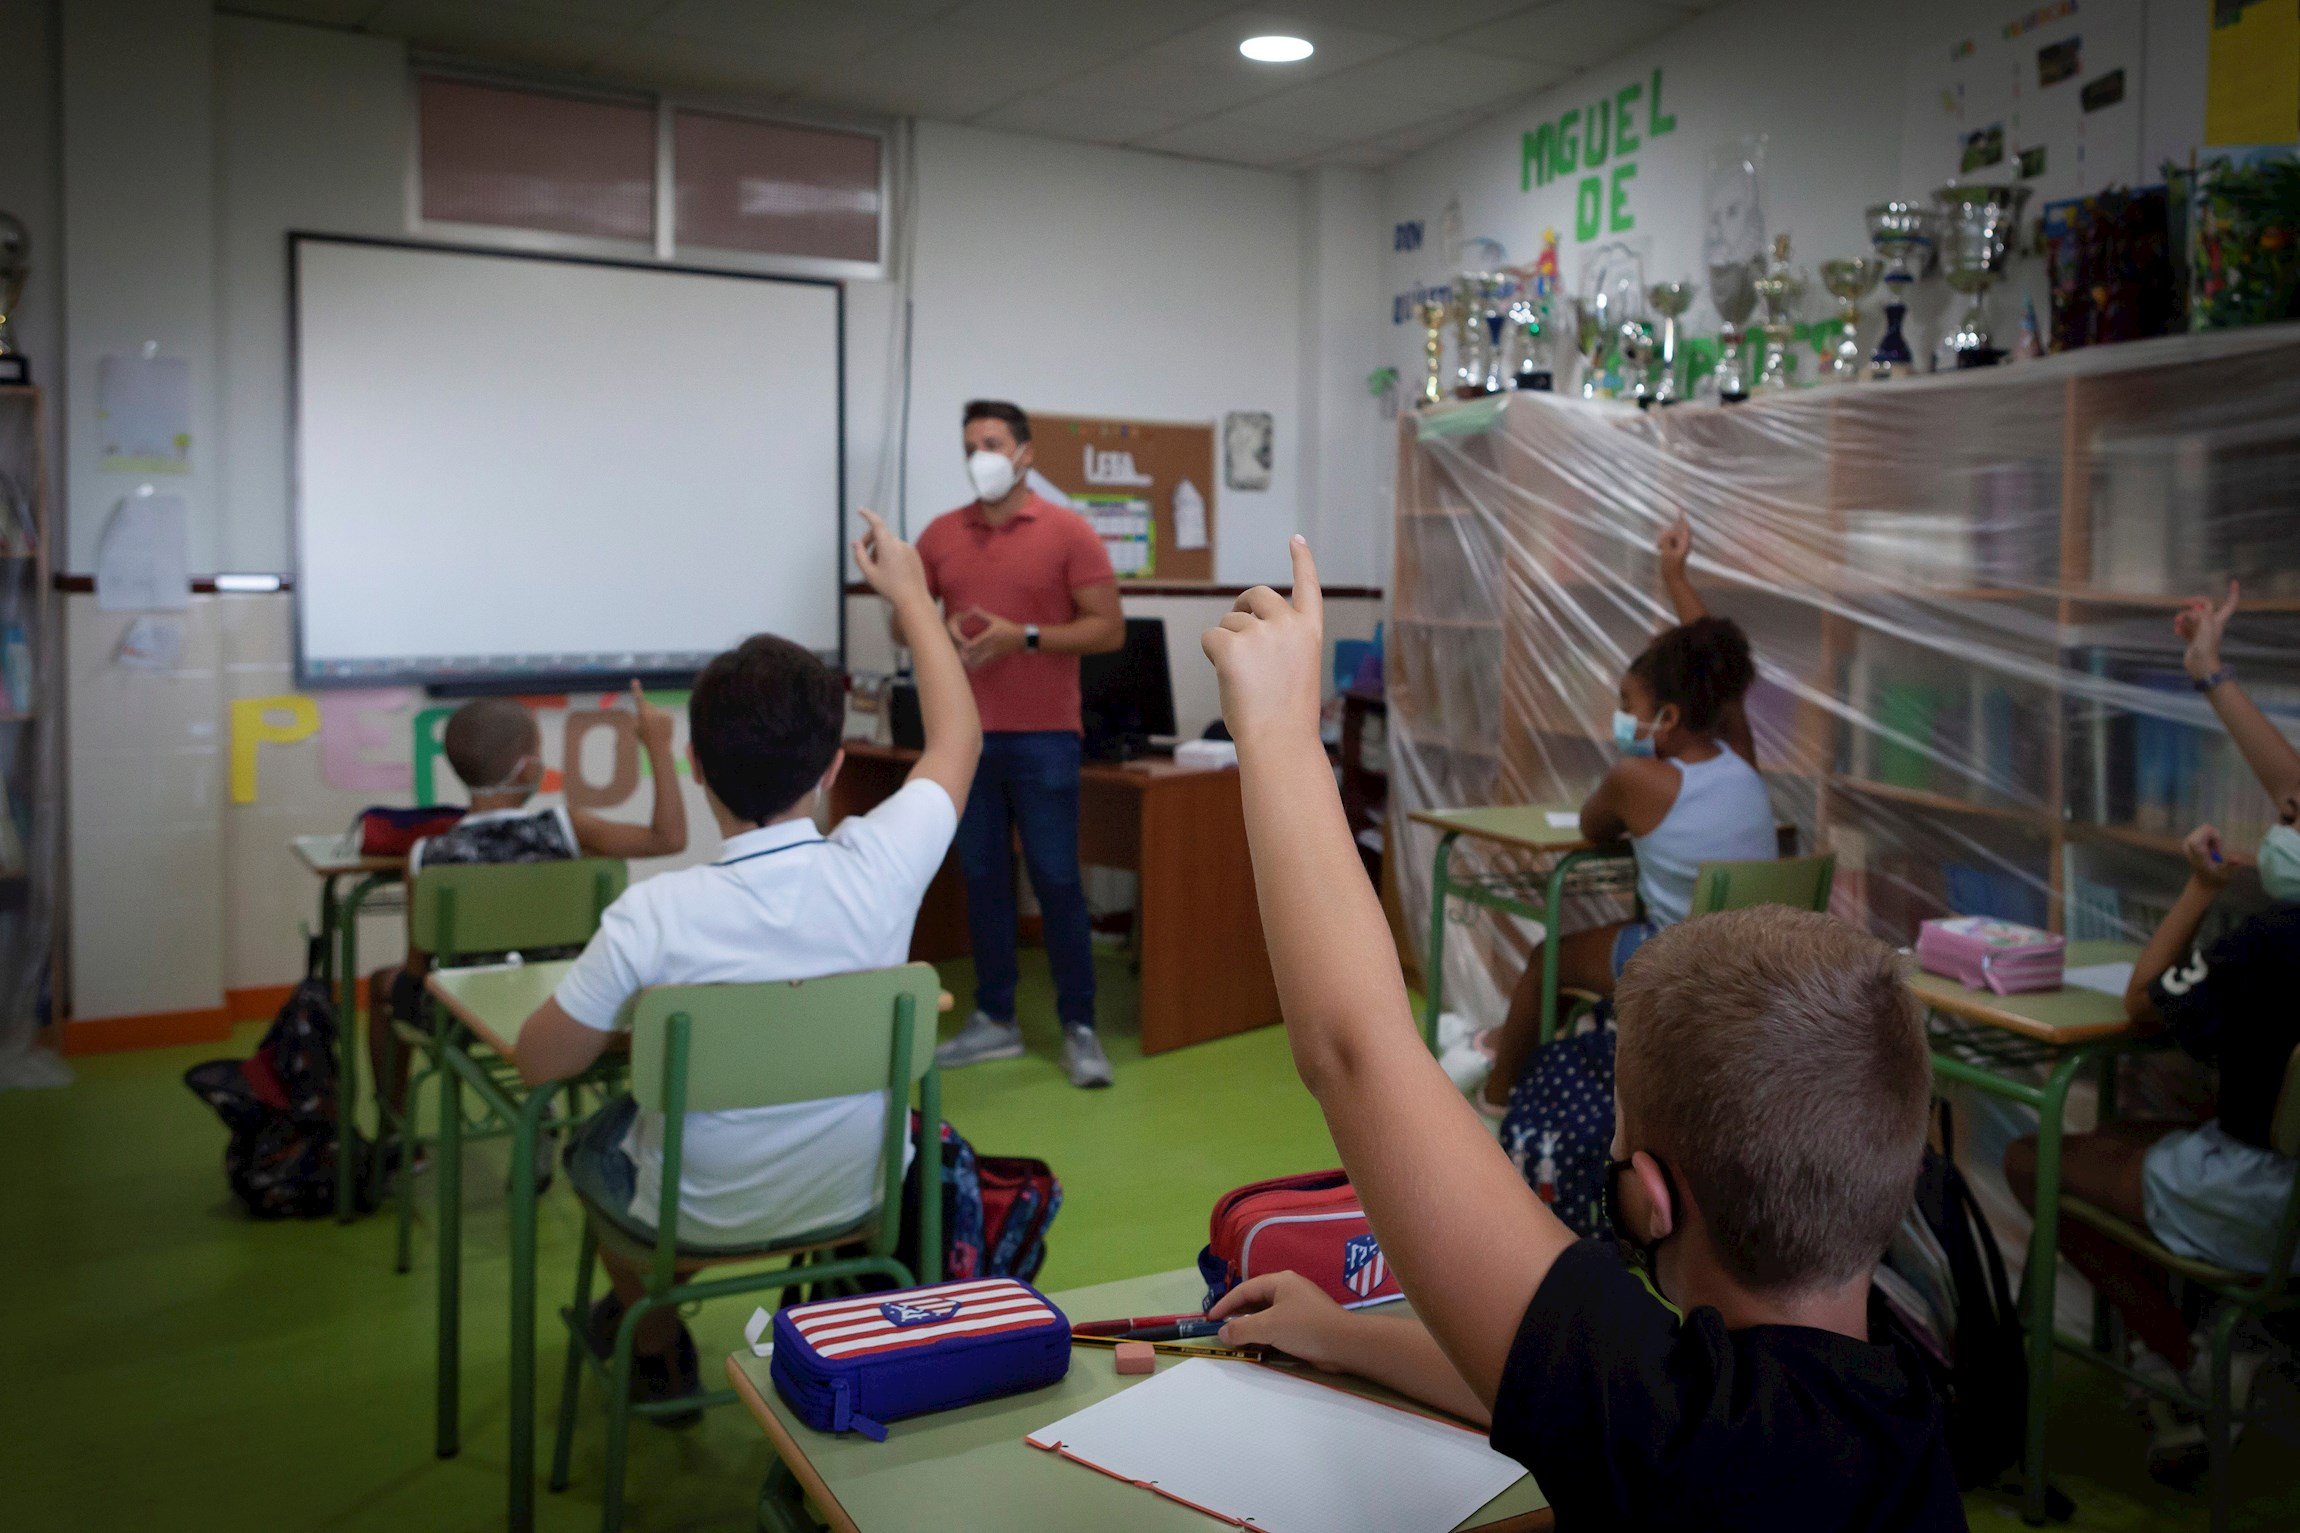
{"x":1363,"y":1270}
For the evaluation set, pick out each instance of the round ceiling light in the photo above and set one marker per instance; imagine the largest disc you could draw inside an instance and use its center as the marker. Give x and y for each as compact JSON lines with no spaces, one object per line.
{"x":1276,"y":50}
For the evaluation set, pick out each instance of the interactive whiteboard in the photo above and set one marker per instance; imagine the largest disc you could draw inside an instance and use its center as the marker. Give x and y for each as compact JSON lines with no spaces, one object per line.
{"x":519,"y":468}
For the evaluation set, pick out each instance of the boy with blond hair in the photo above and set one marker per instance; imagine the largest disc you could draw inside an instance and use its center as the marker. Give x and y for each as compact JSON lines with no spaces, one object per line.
{"x":1769,"y":1125}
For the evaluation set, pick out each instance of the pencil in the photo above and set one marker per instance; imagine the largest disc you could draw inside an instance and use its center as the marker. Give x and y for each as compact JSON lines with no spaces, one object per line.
{"x":1174,"y":1348}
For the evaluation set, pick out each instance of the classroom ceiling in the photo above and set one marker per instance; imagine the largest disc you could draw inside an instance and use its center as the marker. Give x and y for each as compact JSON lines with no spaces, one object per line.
{"x":1388,"y":78}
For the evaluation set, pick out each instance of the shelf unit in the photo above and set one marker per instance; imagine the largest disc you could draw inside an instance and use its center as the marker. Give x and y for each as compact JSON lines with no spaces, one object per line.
{"x":1959,"y":589}
{"x":29,"y":773}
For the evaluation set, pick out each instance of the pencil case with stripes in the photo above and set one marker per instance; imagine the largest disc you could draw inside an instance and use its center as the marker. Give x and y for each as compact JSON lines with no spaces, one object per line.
{"x":855,"y":1364}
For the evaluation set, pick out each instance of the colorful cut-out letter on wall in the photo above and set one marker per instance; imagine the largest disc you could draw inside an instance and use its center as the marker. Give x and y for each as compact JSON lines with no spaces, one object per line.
{"x":260,"y":721}
{"x":360,"y":738}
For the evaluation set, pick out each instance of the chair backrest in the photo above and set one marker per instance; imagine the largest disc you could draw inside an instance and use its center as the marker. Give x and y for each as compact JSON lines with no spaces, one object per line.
{"x":1802,"y":883}
{"x":506,"y":907}
{"x":784,"y":1041}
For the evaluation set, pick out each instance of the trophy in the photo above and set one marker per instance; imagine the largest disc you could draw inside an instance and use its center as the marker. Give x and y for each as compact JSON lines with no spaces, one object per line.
{"x":1432,"y":314}
{"x":1634,"y":343}
{"x":1902,"y":234}
{"x":1848,"y":281}
{"x":1468,"y":338}
{"x":1979,"y":225}
{"x":1493,"y":293}
{"x":1588,"y":342}
{"x":1733,"y":289}
{"x":1529,"y":334}
{"x":1669,"y":300}
{"x":15,"y":253}
{"x":1778,"y":290}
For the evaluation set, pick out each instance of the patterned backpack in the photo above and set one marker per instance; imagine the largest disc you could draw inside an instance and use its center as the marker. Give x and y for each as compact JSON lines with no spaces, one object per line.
{"x":1559,"y":1128}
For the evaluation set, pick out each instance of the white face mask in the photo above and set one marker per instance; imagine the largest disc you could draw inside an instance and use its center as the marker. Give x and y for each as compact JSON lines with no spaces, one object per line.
{"x":992,"y":473}
{"x":2280,"y":864}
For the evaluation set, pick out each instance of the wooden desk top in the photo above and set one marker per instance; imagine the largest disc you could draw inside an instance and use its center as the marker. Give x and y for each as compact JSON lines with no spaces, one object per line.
{"x":328,"y":856}
{"x":1127,"y":773}
{"x":495,"y":1000}
{"x":970,"y":1468}
{"x":2065,"y":1016}
{"x":1525,"y":826}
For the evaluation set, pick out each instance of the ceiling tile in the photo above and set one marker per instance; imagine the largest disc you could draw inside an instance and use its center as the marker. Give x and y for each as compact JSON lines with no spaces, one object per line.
{"x":1332,"y":109}
{"x":1576,"y":33}
{"x":1214,"y":140}
{"x":1436,"y":130}
{"x":326,"y":13}
{"x":679,"y":63}
{"x":1097,"y":119}
{"x":1201,"y":71}
{"x":496,"y":33}
{"x":1420,"y":19}
{"x":948,"y":71}
{"x":1443,"y":76}
{"x":824,"y":34}
{"x":1111,"y":26}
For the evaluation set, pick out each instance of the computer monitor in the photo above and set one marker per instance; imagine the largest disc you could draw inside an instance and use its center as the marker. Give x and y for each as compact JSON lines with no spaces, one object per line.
{"x":1128,"y":694}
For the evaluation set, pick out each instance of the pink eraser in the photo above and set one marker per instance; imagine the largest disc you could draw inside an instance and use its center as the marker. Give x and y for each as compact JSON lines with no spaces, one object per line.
{"x":1136,"y":1357}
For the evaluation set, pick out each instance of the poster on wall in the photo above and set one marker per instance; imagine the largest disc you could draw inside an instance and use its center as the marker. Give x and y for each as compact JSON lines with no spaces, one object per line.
{"x":1137,"y":483}
{"x":2045,"y":96}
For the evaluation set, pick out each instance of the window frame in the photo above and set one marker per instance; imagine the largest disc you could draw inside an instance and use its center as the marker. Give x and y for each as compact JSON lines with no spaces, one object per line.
{"x":665,"y":249}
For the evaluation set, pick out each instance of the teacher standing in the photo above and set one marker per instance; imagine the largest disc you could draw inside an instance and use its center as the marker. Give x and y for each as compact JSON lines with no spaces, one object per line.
{"x":1026,"y":588}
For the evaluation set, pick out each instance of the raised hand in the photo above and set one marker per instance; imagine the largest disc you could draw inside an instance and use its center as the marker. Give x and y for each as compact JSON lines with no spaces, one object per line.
{"x":1267,"y":654}
{"x":2202,"y":623}
{"x":891,"y":566}
{"x":2207,"y":858}
{"x":654,"y":724}
{"x":1675,"y":546}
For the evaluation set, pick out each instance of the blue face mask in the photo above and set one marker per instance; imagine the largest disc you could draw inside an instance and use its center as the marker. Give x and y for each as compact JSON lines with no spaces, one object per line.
{"x":1626,"y":739}
{"x":2280,"y":864}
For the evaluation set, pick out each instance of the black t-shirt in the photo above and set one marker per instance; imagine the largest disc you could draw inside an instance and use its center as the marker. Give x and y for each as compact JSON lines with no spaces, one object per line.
{"x":1630,"y":1419}
{"x":2233,"y":1006}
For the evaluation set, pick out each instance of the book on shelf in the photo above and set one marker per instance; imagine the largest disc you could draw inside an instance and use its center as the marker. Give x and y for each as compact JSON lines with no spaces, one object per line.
{"x":1933,"y":727}
{"x":2162,"y":775}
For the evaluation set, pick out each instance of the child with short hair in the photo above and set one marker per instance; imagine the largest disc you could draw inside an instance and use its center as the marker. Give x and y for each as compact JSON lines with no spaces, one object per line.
{"x":496,"y":751}
{"x":1685,"y":792}
{"x":1770,"y":1125}
{"x":782,"y":902}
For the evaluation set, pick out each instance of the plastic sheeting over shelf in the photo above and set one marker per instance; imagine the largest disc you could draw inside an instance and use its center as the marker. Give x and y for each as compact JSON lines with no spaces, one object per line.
{"x":1960,"y":592}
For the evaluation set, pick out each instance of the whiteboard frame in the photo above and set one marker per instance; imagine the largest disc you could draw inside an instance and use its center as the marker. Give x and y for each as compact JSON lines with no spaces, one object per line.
{"x":468,"y":683}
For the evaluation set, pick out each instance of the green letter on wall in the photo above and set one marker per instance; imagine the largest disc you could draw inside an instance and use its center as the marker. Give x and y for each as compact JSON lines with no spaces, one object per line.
{"x":1625,"y":138}
{"x":1568,"y":144}
{"x":1656,"y":123}
{"x":1588,"y":207}
{"x":1600,"y":136}
{"x":1619,"y":219}
{"x":1540,"y":149}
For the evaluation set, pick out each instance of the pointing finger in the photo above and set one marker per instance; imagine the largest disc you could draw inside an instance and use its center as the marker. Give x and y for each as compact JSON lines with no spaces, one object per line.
{"x":1309,"y":598}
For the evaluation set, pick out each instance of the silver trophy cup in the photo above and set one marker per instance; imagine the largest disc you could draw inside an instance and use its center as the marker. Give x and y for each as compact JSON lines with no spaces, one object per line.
{"x":1670,"y":300}
{"x":1849,"y":281}
{"x":1733,"y":289}
{"x":1779,"y":289}
{"x":1980,"y":222}
{"x":1906,"y":237}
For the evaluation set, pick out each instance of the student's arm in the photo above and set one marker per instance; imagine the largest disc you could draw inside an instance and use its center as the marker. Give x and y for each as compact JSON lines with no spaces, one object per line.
{"x":1287,"y":1311}
{"x":945,"y":697}
{"x":1468,"y":1239}
{"x":1674,"y":548}
{"x":2273,"y":759}
{"x":665,"y":833}
{"x":2172,"y":940}
{"x":553,"y":1046}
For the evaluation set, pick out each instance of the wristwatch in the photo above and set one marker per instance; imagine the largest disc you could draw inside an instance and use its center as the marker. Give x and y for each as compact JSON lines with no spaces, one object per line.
{"x":1030,"y":636}
{"x":2207,"y":683}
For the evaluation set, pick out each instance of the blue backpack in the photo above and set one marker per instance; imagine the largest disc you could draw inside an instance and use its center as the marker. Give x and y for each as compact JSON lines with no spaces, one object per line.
{"x":1559,"y":1127}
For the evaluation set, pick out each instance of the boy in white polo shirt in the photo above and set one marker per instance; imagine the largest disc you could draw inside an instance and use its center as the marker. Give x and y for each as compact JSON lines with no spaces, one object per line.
{"x":782,"y":902}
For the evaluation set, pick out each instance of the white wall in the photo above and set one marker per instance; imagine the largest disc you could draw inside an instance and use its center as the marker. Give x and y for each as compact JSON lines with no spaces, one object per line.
{"x":1346,"y":465}
{"x":1823,"y":81}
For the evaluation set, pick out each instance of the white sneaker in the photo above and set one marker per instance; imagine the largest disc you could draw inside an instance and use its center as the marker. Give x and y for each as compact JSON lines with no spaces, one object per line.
{"x":983,"y":1037}
{"x":1465,"y":1067}
{"x":1082,"y":1057}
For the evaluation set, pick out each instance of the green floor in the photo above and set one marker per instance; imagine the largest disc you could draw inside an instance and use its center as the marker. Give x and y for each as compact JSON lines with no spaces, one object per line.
{"x":166,"y":1364}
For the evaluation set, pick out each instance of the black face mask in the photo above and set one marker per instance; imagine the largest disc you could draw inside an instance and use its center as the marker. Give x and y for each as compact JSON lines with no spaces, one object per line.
{"x":1614,"y":1215}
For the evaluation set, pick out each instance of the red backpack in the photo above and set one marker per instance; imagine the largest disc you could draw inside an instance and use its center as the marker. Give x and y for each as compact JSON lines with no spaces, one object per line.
{"x":1309,"y":1223}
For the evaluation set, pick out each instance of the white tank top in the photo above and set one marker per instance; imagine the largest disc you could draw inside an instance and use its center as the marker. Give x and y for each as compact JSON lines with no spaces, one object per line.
{"x":1722,"y":814}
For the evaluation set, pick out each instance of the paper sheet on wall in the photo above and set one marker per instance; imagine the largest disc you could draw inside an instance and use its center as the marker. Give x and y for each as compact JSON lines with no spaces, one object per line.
{"x":143,"y":563}
{"x":1271,"y":1451}
{"x":1189,"y":516}
{"x":151,"y":644}
{"x":2252,"y":74}
{"x":144,"y":414}
{"x":1128,"y":531}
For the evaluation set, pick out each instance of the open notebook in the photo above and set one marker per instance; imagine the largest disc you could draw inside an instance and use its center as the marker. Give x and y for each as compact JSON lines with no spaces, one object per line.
{"x":1268,"y":1450}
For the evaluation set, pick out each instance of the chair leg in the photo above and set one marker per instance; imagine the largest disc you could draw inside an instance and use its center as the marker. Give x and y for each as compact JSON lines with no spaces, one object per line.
{"x":619,"y":1416}
{"x":408,"y":1142}
{"x":571,"y":1382}
{"x":2219,"y":1432}
{"x":782,"y":1503}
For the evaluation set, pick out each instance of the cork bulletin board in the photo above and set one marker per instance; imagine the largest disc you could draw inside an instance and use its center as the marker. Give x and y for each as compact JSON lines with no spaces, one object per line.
{"x":1147,"y":486}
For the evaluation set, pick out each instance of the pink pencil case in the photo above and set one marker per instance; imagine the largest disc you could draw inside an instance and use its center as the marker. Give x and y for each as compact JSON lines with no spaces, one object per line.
{"x":1986,"y":953}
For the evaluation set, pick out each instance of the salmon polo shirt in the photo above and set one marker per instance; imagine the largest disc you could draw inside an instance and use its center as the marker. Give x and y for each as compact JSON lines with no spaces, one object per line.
{"x":1023,"y":571}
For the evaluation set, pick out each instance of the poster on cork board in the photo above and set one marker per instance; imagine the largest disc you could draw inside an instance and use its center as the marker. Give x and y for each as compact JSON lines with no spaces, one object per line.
{"x":1148,"y":488}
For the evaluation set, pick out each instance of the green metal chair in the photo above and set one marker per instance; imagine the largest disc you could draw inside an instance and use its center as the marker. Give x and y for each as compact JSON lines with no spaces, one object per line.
{"x":462,"y":911}
{"x":1801,"y":883}
{"x":716,"y":1048}
{"x":2243,"y":1295}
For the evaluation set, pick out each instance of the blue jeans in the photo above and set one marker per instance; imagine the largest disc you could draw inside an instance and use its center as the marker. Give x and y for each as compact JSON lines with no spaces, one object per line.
{"x":1027,"y":781}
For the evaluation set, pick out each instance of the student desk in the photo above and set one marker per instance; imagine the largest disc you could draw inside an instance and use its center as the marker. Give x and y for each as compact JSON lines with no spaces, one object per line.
{"x":1521,"y":827}
{"x":1205,"y":970}
{"x":489,"y":1005}
{"x":1997,"y":1044}
{"x":970,"y":1468}
{"x":333,"y":859}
